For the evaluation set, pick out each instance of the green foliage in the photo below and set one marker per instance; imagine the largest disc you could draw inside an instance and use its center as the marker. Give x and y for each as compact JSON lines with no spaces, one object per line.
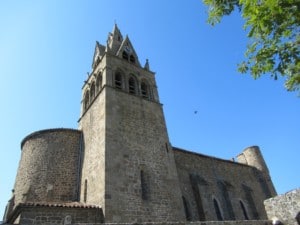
{"x":274,"y":36}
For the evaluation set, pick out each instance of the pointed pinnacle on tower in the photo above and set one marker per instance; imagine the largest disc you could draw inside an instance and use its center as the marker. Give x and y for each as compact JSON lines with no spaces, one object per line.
{"x":146,"y":66}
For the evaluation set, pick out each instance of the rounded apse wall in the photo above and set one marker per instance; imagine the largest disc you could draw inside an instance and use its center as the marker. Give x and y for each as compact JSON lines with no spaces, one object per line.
{"x":49,"y":167}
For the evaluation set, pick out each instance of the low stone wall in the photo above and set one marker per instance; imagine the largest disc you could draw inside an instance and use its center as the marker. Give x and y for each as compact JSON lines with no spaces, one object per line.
{"x":285,"y":208}
{"x":56,"y":215}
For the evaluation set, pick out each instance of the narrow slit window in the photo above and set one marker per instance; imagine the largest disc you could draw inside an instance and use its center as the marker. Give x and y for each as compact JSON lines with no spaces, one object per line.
{"x":144,"y":186}
{"x":85,"y":191}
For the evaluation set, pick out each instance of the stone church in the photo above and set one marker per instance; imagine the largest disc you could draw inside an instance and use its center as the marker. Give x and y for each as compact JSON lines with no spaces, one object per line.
{"x":119,"y":166}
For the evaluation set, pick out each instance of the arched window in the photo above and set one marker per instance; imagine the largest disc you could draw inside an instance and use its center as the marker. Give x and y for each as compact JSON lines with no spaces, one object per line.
{"x":132,"y":85}
{"x":92,"y":91}
{"x":217,"y":210}
{"x":86,"y":100}
{"x":251,"y":206}
{"x":97,"y":61}
{"x":132,"y":59}
{"x":118,"y":80}
{"x":244,"y":210}
{"x":125,"y":55}
{"x":224,"y":188}
{"x":144,"y":90}
{"x":99,"y":82}
{"x":186,"y":209}
{"x":199,"y":186}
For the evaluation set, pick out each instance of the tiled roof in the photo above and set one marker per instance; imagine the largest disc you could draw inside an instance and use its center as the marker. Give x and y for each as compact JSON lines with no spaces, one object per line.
{"x":40,"y":132}
{"x":63,"y":205}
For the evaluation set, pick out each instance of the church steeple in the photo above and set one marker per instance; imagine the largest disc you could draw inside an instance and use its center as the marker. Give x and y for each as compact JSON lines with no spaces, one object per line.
{"x":127,"y":52}
{"x":114,"y":39}
{"x":121,"y":47}
{"x":125,"y":139}
{"x":98,"y":53}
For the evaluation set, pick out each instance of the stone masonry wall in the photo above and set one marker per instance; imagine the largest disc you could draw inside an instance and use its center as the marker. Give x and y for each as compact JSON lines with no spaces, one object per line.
{"x":285,"y":208}
{"x":127,"y":169}
{"x":141,"y":180}
{"x":252,"y":156}
{"x":238,"y":222}
{"x":48,"y":169}
{"x":215,"y":189}
{"x":41,"y":215}
{"x":92,"y":124}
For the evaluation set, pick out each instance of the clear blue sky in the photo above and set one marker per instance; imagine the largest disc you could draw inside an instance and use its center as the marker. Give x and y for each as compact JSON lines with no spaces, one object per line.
{"x":46,"y":49}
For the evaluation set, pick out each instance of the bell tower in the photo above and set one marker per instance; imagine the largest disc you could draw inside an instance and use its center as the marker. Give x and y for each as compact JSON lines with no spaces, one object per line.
{"x":128,"y":165}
